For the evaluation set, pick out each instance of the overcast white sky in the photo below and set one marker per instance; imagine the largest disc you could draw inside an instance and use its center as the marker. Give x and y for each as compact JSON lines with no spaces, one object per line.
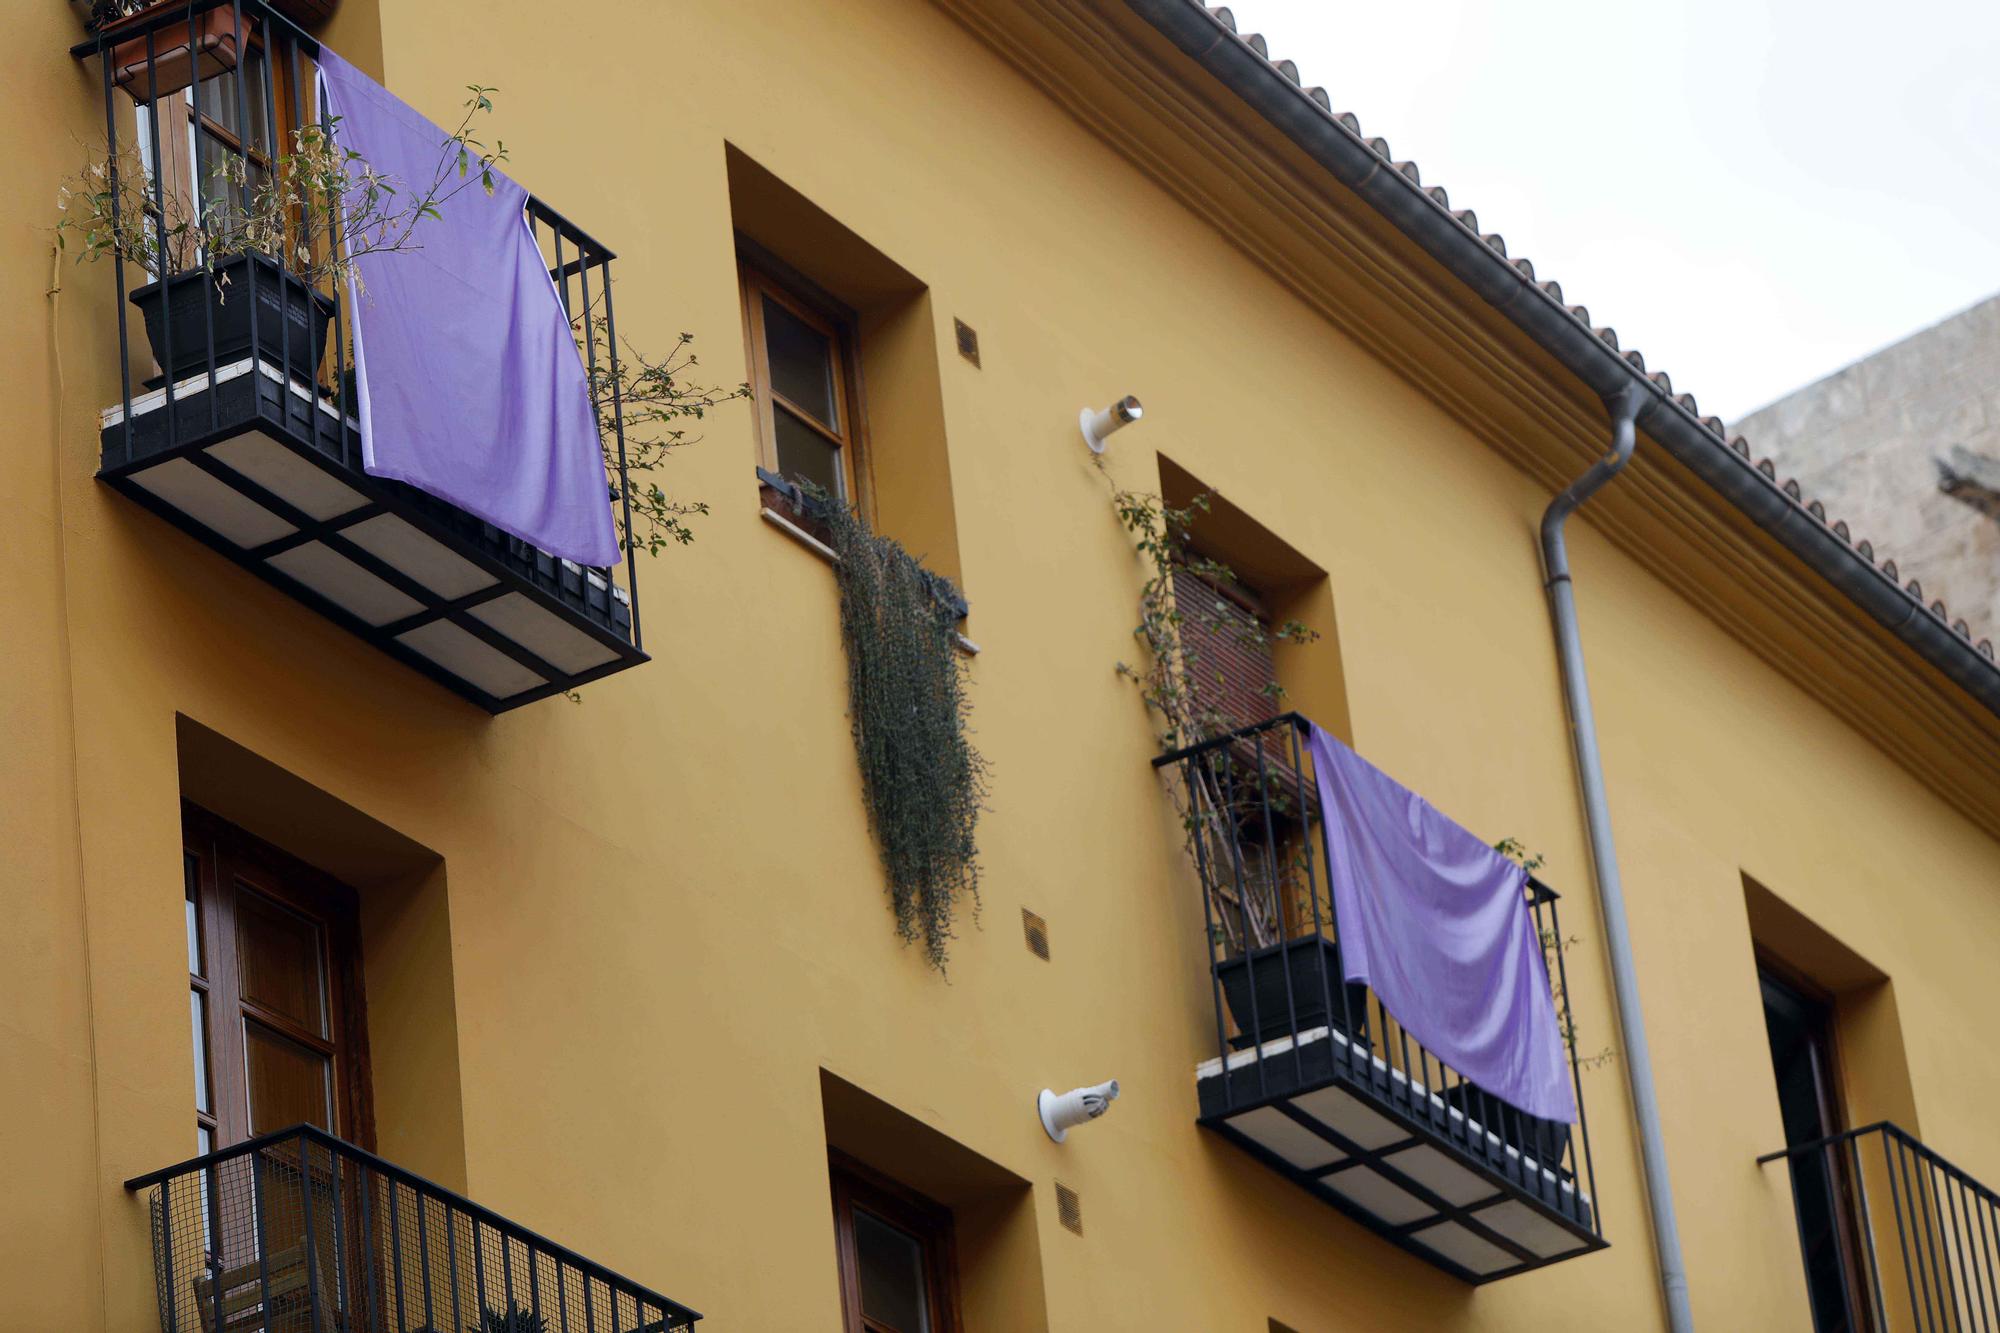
{"x":1753,"y":192}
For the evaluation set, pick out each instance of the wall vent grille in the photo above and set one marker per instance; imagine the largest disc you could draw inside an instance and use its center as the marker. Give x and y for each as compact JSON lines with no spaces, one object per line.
{"x":1069,"y":1208}
{"x":1036,"y":931}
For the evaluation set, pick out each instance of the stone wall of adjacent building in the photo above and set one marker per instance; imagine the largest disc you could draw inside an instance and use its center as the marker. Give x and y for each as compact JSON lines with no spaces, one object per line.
{"x":1905,"y":445}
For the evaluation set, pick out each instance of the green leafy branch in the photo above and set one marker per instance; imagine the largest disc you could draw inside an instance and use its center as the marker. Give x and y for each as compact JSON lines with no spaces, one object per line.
{"x":654,"y":400}
{"x":1552,"y":945}
{"x":1246,"y":878}
{"x":318,"y":207}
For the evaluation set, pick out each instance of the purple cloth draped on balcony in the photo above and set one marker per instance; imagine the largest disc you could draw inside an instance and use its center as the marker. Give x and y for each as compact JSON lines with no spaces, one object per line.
{"x":1437,"y":924}
{"x":471,"y":385}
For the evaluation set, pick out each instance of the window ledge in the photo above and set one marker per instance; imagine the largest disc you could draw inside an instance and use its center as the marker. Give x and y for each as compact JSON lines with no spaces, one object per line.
{"x":826,"y":553}
{"x":800,"y":535}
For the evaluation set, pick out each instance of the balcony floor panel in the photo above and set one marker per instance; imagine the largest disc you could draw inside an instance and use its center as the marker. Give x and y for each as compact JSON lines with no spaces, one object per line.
{"x":266,"y":472}
{"x":1392,"y":1153}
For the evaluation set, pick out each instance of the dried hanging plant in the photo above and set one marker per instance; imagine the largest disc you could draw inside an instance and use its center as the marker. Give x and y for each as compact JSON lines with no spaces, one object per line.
{"x":922,"y":778}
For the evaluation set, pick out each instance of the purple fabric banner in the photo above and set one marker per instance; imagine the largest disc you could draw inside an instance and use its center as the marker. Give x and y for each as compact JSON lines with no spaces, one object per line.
{"x":471,"y":385}
{"x":1437,"y":924}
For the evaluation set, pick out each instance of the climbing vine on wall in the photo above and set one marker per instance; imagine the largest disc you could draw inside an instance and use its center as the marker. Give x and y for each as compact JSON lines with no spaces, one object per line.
{"x":922,"y":778}
{"x":1216,"y":796}
{"x":1171,"y":666}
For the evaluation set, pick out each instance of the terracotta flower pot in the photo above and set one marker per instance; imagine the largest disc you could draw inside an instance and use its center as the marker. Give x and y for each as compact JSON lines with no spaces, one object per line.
{"x":177,"y":63}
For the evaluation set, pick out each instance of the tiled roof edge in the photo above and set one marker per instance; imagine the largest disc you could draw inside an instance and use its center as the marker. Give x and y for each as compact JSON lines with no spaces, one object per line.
{"x":1395,"y":188}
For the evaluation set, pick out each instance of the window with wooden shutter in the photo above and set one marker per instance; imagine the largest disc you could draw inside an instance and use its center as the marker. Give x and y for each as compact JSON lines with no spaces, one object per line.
{"x":1225,"y":638}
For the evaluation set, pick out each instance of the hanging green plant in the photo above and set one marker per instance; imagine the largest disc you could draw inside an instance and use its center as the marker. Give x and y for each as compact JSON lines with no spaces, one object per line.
{"x":922,"y":778}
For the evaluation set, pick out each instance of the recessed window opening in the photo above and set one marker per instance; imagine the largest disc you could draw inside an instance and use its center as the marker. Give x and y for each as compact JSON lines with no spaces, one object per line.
{"x":274,"y":975}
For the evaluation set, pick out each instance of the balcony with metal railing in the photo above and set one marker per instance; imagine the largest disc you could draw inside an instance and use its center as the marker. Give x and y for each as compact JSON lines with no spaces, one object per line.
{"x":1316,"y":1079}
{"x":300,"y":1232}
{"x":1892,"y":1235}
{"x":236,"y":414}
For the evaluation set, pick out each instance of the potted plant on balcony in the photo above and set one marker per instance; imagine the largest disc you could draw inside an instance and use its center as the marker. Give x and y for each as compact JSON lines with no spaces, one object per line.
{"x":1279,"y":974}
{"x":513,"y":1319}
{"x":292,"y":232}
{"x":1245,"y":812}
{"x":181,"y":52}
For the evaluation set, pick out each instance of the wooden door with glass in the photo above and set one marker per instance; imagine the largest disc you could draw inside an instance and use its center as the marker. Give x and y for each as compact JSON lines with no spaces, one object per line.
{"x":275,"y":1003}
{"x":897,"y":1270}
{"x":279,"y":1039}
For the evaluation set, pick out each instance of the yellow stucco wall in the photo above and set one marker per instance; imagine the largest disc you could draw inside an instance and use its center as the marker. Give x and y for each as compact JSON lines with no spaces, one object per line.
{"x":664,"y":914}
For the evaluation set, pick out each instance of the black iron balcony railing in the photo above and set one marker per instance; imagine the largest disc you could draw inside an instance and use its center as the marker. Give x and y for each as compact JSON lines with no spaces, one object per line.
{"x":1893,"y":1235}
{"x":1311,"y":1073}
{"x":235,"y":419}
{"x":299,"y":1232}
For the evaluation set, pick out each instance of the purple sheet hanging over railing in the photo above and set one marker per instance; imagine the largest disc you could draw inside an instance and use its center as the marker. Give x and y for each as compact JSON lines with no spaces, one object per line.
{"x":470,"y":383}
{"x":1436,"y":923}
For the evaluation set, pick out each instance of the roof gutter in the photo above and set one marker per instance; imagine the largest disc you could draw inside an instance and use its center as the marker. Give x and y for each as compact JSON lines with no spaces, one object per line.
{"x":1539,"y":313}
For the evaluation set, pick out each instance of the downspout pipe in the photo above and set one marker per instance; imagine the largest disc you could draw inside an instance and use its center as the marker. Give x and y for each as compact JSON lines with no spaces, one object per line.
{"x":1625,"y":407}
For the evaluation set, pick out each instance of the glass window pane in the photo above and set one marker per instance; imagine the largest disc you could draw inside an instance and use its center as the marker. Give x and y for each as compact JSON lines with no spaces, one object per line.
{"x":289,"y":1084}
{"x":191,"y":874}
{"x":217,"y":99}
{"x":806,"y":455}
{"x":801,"y":362}
{"x":281,"y":960}
{"x":222,"y":197}
{"x":198,"y":1003}
{"x":891,"y":1263}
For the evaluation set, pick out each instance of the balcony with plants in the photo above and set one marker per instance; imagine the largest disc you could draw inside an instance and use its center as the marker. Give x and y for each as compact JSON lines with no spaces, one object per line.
{"x":1316,"y":1076}
{"x":252,"y":244}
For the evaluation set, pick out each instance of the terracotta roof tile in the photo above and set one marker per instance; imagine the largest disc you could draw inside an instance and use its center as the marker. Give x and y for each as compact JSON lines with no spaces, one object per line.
{"x":1469,"y":220}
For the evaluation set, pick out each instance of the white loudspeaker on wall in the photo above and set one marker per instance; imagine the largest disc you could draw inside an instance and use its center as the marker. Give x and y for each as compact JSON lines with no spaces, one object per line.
{"x":1061,"y":1114}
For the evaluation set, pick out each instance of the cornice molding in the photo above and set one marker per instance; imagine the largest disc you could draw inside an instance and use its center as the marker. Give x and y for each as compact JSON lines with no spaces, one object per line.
{"x":1233,"y":171}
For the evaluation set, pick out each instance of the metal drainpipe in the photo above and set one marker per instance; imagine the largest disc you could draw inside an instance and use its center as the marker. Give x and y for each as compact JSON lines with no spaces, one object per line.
{"x":1624,"y":408}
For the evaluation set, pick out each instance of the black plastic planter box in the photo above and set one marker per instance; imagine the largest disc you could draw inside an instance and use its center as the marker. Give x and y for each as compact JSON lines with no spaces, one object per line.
{"x":292,"y":318}
{"x":1314,"y":965}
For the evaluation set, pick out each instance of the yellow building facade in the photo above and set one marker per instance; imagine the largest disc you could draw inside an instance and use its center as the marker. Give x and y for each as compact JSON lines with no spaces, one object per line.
{"x":628,"y":969}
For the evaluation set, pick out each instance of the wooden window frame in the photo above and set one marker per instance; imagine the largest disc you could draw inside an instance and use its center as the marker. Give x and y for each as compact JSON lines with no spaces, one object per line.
{"x":761,"y":275}
{"x":190,"y":138}
{"x":857,"y":1185}
{"x":222,"y":853}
